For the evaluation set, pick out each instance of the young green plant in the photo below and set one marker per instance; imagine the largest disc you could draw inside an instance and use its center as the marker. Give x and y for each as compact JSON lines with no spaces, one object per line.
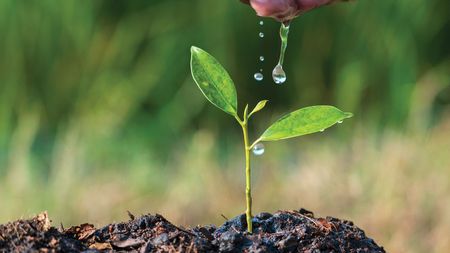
{"x":218,"y":88}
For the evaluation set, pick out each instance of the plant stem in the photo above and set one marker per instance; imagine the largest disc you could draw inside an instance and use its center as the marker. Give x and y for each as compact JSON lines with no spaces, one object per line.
{"x":254,"y":143}
{"x":248,"y":181}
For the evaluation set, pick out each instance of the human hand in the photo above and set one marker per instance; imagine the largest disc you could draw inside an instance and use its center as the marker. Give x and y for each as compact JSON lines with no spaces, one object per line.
{"x":285,"y":10}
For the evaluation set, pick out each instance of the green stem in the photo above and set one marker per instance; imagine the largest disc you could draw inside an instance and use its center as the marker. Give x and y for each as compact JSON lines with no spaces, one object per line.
{"x":254,"y":143}
{"x":248,"y":181}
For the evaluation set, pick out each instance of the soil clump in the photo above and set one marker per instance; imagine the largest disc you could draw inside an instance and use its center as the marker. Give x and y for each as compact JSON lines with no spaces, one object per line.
{"x":283,"y":231}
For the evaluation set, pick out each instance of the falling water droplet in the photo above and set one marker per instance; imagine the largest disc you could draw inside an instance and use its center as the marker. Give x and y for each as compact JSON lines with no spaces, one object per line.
{"x":258,"y":149}
{"x":322,"y":130}
{"x":260,"y":70}
{"x":278,"y":75}
{"x":261,"y":34}
{"x":340,"y":121}
{"x":258,"y":76}
{"x":261,"y":58}
{"x":261,"y":22}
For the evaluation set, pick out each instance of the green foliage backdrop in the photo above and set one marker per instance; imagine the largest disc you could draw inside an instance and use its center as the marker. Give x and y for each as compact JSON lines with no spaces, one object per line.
{"x":96,"y":97}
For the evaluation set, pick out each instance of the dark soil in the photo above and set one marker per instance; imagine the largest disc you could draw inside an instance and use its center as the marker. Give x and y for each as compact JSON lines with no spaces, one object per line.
{"x":284,"y":231}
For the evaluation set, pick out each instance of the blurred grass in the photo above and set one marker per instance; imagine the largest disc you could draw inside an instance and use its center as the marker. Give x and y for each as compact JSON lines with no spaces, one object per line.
{"x":98,"y":114}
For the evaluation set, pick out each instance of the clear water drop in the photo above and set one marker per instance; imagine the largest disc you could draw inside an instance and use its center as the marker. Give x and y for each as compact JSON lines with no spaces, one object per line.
{"x":260,"y":70}
{"x":278,"y":74}
{"x":258,"y":149}
{"x":261,"y":58}
{"x":322,"y":130}
{"x":258,"y":76}
{"x":261,"y":22}
{"x":340,"y":121}
{"x":261,"y":35}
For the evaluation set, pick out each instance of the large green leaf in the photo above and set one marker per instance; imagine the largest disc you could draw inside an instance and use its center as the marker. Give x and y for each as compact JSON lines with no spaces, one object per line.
{"x":304,"y":121}
{"x":213,"y":80}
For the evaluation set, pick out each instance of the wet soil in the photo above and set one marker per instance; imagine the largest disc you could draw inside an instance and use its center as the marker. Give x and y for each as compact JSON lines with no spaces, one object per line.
{"x":283,"y":231}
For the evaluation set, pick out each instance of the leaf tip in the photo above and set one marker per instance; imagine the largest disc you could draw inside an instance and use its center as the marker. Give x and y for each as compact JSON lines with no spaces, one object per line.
{"x":195,"y":49}
{"x":348,"y":115}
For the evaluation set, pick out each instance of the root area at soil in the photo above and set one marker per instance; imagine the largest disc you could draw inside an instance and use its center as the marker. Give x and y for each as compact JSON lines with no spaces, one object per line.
{"x":283,"y":231}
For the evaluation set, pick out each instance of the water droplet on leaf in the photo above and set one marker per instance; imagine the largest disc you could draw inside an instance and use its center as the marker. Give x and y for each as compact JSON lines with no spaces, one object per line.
{"x":278,"y":74}
{"x":258,"y":76}
{"x":258,"y":149}
{"x":322,"y":130}
{"x":261,"y":22}
{"x":340,"y":121}
{"x":261,"y":58}
{"x":261,"y":34}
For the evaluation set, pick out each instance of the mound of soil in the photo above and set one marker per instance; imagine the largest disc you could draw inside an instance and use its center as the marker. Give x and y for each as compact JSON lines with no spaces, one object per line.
{"x":283,"y":231}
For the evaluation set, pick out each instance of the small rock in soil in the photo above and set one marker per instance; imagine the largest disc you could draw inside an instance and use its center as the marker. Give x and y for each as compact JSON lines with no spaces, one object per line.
{"x":283,"y":231}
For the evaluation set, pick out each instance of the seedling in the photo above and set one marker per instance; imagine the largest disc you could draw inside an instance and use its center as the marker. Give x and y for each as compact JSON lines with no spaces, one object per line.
{"x":216,"y":85}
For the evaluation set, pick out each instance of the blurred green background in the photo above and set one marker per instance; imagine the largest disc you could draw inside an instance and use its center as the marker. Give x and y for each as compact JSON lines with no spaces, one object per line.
{"x":99,"y":114}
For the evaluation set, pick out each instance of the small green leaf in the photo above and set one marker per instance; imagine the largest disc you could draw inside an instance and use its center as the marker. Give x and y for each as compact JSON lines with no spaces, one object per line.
{"x":304,"y":121}
{"x":213,"y":80}
{"x":258,"y":107}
